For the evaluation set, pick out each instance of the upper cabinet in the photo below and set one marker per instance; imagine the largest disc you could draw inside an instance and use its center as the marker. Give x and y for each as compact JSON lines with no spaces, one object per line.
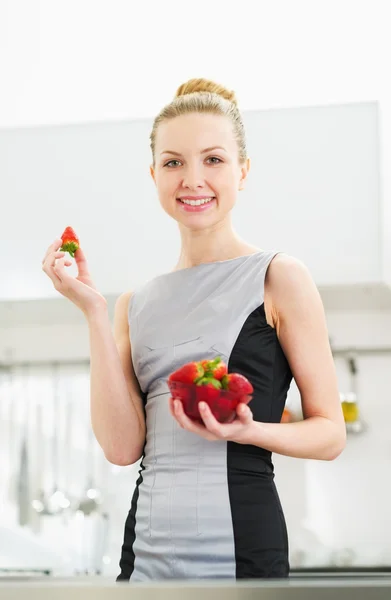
{"x":313,"y":191}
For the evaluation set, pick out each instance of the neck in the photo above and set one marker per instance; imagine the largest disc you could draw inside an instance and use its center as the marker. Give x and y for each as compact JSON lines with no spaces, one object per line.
{"x":219,"y":242}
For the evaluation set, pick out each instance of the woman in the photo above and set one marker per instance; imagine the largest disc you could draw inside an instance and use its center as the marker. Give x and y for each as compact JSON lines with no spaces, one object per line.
{"x":205,"y":504}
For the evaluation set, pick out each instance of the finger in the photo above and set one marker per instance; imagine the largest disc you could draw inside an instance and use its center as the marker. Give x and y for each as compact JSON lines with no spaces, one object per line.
{"x":51,"y":259}
{"x":59,"y":269}
{"x":49,"y":264}
{"x":210,"y":421}
{"x":193,"y":426}
{"x":183,"y":420}
{"x":171,"y":406}
{"x":52,"y":248}
{"x":244,"y":413}
{"x":82,"y":265}
{"x":180,"y":415}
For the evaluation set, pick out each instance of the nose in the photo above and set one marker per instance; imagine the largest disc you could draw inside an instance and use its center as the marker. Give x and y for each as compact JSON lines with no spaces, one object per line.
{"x":193,"y":177}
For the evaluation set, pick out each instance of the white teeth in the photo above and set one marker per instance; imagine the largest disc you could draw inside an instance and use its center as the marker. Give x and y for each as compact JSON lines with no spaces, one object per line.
{"x":196,"y":202}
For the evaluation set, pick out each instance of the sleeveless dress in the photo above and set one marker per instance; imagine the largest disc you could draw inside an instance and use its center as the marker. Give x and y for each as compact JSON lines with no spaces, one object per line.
{"x":205,"y":509}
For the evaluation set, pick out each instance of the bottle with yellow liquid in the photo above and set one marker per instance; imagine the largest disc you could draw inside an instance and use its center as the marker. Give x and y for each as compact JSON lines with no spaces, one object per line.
{"x":350,"y":408}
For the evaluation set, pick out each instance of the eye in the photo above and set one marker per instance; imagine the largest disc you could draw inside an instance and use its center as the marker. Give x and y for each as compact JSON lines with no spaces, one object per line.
{"x":215,"y":160}
{"x":171,"y":161}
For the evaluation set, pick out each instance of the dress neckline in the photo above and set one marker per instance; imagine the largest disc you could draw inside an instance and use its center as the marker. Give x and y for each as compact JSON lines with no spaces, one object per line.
{"x":189,"y":270}
{"x":215,"y":262}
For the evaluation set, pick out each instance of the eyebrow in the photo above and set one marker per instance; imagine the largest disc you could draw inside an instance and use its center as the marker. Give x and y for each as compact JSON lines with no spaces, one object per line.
{"x":202,"y":151}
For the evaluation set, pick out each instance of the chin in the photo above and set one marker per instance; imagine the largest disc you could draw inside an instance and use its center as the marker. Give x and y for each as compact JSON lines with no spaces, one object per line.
{"x":193,"y":221}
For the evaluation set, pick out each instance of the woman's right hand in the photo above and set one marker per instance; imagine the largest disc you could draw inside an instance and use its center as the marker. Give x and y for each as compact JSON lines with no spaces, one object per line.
{"x":81,"y":289}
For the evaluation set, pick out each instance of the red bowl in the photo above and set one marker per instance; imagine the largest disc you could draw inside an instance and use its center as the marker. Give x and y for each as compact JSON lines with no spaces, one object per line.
{"x":222,"y":403}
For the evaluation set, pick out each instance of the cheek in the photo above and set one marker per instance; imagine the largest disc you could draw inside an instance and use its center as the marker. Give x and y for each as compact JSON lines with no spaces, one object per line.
{"x":225,"y":180}
{"x":228,"y":193}
{"x":167,"y":193}
{"x":166,"y":188}
{"x":226,"y":185}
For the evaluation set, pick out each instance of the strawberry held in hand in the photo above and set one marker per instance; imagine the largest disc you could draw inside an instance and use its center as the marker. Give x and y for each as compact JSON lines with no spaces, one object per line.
{"x":70,"y":241}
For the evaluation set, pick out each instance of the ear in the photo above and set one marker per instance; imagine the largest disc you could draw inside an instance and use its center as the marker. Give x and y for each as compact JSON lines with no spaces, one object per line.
{"x":152,"y":172}
{"x":244,"y":169}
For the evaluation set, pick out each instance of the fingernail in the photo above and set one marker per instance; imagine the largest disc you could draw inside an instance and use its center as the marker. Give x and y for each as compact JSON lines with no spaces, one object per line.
{"x":202,"y":405}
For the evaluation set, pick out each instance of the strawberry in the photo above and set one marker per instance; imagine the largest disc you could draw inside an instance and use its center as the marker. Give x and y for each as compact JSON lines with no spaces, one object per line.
{"x":215,"y":368}
{"x":234,"y":382}
{"x":210,"y":382}
{"x":208,"y":391}
{"x":188,"y":373}
{"x":70,"y":241}
{"x":219,"y":370}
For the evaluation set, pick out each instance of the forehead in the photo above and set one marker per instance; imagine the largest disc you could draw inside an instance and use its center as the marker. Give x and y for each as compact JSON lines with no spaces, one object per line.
{"x":196,"y":131}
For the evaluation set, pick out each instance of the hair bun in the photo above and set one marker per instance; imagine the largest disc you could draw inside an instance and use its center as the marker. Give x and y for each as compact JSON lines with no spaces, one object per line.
{"x":205,"y":85}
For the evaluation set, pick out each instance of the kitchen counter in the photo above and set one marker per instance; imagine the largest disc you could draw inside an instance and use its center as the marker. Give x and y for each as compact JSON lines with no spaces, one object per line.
{"x":100,"y":588}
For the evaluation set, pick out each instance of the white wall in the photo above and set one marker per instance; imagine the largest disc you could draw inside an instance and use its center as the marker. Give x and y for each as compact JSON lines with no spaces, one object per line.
{"x":314,"y":183}
{"x":284,"y":55}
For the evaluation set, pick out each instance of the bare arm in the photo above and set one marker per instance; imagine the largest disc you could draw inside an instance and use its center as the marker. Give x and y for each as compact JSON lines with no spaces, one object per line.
{"x":302,"y":332}
{"x":117,"y":412}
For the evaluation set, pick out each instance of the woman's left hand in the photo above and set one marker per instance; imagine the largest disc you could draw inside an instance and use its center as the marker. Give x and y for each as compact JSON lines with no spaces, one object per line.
{"x":238,"y":431}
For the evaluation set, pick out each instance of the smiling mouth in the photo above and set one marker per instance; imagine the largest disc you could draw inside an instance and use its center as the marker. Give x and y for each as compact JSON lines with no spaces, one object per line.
{"x":200,"y":202}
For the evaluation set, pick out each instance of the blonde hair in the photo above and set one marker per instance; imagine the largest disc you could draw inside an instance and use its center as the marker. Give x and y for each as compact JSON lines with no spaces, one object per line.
{"x":203,"y":96}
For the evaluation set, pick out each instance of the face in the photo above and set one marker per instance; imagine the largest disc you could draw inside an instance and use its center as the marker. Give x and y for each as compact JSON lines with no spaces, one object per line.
{"x":197,"y":171}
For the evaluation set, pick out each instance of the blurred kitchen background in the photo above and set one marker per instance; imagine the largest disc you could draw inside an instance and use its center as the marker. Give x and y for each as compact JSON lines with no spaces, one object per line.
{"x":81,"y":83}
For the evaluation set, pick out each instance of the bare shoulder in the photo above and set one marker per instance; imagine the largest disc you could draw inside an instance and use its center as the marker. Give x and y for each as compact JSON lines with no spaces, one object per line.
{"x":289,"y":289}
{"x":285,"y":268}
